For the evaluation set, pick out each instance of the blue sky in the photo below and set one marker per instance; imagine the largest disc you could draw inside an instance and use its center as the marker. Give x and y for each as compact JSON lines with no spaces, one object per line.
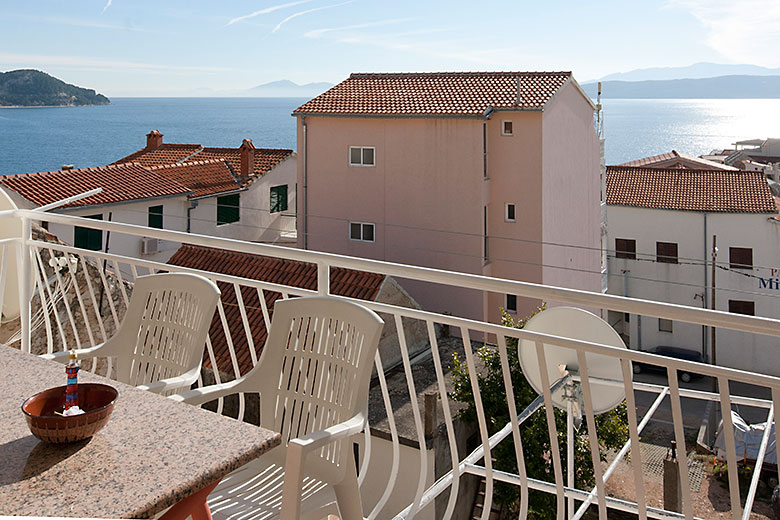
{"x":174,"y":47}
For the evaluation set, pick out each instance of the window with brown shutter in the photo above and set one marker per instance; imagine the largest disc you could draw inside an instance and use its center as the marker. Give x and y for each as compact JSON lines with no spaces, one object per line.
{"x":741,"y":258}
{"x":666,"y":252}
{"x":742,"y":307}
{"x":625,"y":248}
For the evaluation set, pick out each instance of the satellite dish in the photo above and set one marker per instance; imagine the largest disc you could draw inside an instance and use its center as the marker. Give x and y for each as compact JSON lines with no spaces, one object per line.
{"x":570,"y":322}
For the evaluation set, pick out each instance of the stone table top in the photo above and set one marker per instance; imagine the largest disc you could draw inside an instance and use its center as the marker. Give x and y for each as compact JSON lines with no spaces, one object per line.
{"x":152,"y":453}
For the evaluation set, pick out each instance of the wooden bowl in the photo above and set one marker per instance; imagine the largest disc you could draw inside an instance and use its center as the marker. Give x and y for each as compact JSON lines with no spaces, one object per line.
{"x":95,"y":399}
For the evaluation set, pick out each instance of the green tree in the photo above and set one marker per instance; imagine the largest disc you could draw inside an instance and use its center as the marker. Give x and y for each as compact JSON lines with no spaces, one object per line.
{"x":611,"y":427}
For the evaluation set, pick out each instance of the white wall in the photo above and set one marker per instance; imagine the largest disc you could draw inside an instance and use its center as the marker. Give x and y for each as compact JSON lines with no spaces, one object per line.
{"x":682,"y":282}
{"x":256,"y":223}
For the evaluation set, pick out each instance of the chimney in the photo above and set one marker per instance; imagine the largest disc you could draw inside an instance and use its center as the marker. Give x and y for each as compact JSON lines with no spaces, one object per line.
{"x":247,"y":161}
{"x":154,"y":139}
{"x":67,"y":167}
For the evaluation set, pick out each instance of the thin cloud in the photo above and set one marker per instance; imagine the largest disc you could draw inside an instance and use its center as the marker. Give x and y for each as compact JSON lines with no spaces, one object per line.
{"x":301,"y":13}
{"x":44,"y":61}
{"x":108,"y":4}
{"x":317,"y":33}
{"x":96,"y":25}
{"x":744,"y":32}
{"x":265,"y":11}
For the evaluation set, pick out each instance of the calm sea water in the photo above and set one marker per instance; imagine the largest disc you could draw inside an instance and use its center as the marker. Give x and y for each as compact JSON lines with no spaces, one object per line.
{"x":40,"y":139}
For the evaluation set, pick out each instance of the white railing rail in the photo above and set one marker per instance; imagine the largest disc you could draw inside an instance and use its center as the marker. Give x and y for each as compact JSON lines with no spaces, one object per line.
{"x":67,"y":285}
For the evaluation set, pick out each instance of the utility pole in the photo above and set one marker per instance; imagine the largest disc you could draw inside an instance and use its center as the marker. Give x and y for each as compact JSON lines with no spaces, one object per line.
{"x":714,"y":358}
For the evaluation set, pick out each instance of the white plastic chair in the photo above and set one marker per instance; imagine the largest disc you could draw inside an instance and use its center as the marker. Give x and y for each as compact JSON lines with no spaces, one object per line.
{"x":313,"y":377}
{"x":159,"y":345}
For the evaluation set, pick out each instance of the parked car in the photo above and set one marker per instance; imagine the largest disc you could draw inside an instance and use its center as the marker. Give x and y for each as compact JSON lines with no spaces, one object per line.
{"x":673,"y":352}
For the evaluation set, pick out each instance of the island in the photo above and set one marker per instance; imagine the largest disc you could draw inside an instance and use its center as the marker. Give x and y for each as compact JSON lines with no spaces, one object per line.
{"x":33,"y":88}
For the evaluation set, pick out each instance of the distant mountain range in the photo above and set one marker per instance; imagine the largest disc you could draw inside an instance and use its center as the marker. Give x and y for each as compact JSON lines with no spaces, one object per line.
{"x":695,"y":71}
{"x":723,"y":87}
{"x":286,"y":88}
{"x":33,"y":88}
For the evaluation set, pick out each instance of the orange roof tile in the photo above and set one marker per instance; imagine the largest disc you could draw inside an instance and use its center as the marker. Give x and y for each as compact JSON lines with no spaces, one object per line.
{"x":675,"y":159}
{"x":344,"y":282}
{"x":120,"y":183}
{"x":202,"y":177}
{"x":265,"y":158}
{"x":717,"y":191}
{"x":163,"y":154}
{"x":437,"y":93}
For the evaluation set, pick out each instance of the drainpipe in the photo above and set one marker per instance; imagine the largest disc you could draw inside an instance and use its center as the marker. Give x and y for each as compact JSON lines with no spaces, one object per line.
{"x":303,"y":216}
{"x":193,"y":205}
{"x":704,"y":294}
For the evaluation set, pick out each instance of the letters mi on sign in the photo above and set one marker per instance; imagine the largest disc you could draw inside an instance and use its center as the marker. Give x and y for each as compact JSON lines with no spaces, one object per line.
{"x":773,"y":282}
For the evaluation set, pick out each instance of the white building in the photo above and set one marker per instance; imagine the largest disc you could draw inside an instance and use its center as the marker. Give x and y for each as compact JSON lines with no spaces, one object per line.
{"x":661,"y":224}
{"x":241,"y":193}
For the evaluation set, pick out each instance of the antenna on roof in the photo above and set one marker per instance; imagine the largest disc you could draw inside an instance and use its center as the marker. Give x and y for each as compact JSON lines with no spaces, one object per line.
{"x":599,"y":118}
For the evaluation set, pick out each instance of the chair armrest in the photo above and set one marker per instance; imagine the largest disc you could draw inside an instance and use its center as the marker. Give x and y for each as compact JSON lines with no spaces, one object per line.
{"x":324,"y":437}
{"x":208,"y":393}
{"x":82,"y":353}
{"x":172,"y":383}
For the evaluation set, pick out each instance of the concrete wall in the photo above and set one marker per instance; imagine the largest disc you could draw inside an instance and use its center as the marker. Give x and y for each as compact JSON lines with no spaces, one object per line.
{"x":256,"y":222}
{"x":571,"y":193}
{"x":684,"y":282}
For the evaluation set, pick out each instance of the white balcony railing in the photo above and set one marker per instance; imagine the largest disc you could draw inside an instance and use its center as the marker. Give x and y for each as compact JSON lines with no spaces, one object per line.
{"x":66,"y":285}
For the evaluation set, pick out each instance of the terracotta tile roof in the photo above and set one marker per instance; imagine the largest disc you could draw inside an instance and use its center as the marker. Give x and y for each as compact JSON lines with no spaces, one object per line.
{"x":202,"y":177}
{"x":265,"y":158}
{"x":120,"y":183}
{"x":689,"y":190}
{"x":163,"y":154}
{"x":438,"y":93}
{"x":675,"y":159}
{"x":344,"y":282}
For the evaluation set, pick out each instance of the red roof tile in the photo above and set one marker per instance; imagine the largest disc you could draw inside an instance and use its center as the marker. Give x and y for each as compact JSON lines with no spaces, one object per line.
{"x":439,"y":93}
{"x":714,"y":191}
{"x":344,"y":282}
{"x":202,"y":177}
{"x":163,"y":154}
{"x":120,"y":183}
{"x":675,"y":159}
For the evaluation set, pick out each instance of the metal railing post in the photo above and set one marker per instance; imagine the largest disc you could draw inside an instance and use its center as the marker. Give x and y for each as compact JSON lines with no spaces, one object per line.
{"x":25,"y":285}
{"x":323,"y":279}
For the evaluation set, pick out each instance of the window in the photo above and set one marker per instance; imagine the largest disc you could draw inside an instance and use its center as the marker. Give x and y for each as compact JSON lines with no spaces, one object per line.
{"x":511,"y":303}
{"x":742,"y":307}
{"x":509,"y":215}
{"x":666,"y":252}
{"x":506,"y":127}
{"x":228,"y":207}
{"x":741,"y":258}
{"x":278,"y":198}
{"x":87,"y":238}
{"x":361,"y":156}
{"x":361,"y":231}
{"x":625,"y":248}
{"x":664,"y":325}
{"x":156,"y":217}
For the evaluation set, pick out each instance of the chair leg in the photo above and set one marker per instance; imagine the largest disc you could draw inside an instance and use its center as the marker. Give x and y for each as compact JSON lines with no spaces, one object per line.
{"x":348,"y":497}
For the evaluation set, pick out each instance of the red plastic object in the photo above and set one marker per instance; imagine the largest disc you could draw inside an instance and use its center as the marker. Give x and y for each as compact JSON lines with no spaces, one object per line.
{"x":97,"y":401}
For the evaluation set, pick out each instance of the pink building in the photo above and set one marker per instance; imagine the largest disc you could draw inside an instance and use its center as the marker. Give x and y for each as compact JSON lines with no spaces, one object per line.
{"x":483,"y":173}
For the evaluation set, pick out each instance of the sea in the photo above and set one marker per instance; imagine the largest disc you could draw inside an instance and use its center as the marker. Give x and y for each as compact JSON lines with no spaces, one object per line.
{"x":42,"y":139}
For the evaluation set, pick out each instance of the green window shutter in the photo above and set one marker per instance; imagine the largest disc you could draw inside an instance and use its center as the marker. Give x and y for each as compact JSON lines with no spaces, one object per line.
{"x":156,"y":217}
{"x":228,"y":209}
{"x":86,"y":238}
{"x":278,"y":198}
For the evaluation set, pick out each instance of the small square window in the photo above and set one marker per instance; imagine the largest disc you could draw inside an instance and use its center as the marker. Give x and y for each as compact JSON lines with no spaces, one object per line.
{"x":278,"y":198}
{"x":88,"y":238}
{"x":511,"y":303}
{"x":741,"y":258}
{"x":666,"y":252}
{"x":155,"y":217}
{"x":361,"y":231}
{"x":506,"y":127}
{"x":228,"y":209}
{"x":362,"y":156}
{"x":509,"y":215}
{"x":664,"y":325}
{"x":625,"y":248}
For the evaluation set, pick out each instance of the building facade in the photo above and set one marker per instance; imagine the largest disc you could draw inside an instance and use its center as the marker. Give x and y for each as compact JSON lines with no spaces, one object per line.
{"x":485,"y":173}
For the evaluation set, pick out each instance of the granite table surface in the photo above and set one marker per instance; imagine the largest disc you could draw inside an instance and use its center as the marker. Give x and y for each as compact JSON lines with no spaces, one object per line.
{"x":152,"y":453}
